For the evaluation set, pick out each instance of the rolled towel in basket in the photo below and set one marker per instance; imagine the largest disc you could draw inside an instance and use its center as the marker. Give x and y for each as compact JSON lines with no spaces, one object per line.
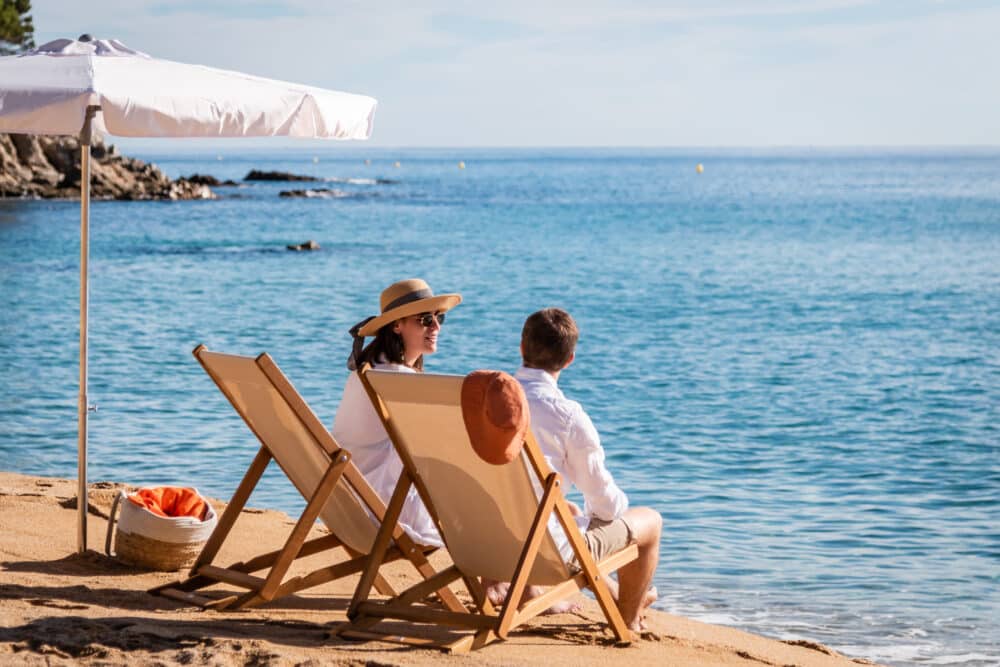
{"x":171,"y":501}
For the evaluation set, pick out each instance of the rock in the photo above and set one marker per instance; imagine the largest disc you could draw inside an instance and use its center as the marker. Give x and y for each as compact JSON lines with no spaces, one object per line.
{"x":49,"y":167}
{"x":206,"y":179}
{"x":203,"y":179}
{"x":30,"y":154}
{"x":307,"y":245}
{"x":100,"y":151}
{"x":62,"y":153}
{"x":256,"y":175}
{"x":12,"y":173}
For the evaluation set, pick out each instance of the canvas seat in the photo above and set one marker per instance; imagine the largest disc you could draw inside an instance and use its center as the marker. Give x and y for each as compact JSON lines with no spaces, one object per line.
{"x":335,"y":491}
{"x":492,"y":520}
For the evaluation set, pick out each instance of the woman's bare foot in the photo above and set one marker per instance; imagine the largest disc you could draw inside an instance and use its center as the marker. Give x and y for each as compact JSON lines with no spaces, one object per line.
{"x":564,"y":607}
{"x":561,"y":607}
{"x":496,"y":591}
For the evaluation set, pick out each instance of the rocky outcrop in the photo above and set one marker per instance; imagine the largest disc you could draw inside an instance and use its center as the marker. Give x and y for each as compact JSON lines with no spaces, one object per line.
{"x":49,"y":168}
{"x":258,"y":175}
{"x":206,"y":179}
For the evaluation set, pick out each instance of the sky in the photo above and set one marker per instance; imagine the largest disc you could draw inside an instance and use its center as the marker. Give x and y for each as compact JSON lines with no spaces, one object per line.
{"x":592,"y":73}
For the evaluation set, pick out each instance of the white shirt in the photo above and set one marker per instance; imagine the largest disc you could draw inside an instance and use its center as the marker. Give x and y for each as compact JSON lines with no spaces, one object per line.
{"x":572,"y":448}
{"x":358,"y":429}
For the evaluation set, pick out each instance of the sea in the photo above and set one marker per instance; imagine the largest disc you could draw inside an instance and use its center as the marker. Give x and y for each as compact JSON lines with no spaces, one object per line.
{"x":794,"y":355}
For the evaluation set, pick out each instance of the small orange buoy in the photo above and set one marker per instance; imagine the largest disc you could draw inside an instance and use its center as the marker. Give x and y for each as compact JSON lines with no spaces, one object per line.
{"x":461,"y":165}
{"x":700,"y":169}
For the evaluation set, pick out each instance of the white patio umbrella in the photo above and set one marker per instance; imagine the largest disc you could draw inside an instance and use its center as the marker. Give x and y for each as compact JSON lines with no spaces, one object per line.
{"x":78,"y":87}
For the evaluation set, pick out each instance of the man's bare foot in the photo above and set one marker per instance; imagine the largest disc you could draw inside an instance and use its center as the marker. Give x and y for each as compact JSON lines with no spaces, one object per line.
{"x":638,"y":628}
{"x":639,"y":624}
{"x":651,"y":597}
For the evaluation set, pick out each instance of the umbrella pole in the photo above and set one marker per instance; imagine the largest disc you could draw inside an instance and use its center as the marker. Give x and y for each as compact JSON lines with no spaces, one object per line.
{"x":82,"y":403}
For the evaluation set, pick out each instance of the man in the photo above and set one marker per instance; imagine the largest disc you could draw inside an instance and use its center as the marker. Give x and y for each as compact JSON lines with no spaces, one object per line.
{"x":573,"y":448}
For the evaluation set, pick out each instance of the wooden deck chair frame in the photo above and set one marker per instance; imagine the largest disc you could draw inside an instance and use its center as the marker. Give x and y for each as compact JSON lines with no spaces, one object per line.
{"x":486,"y":623}
{"x":260,"y":590}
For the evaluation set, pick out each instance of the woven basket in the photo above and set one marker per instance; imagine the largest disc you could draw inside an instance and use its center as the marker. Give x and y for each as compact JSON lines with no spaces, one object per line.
{"x":153,"y":554}
{"x":154,"y":542}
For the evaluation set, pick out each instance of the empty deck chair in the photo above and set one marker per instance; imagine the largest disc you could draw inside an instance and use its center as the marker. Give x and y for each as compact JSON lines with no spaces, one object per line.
{"x":334,"y":489}
{"x":492,"y":520}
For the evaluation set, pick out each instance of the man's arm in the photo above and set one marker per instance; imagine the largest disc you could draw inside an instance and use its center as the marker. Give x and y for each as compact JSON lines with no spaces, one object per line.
{"x":586,"y":470}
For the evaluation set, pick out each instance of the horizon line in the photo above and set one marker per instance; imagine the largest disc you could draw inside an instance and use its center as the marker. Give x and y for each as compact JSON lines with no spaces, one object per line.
{"x":255,"y":142}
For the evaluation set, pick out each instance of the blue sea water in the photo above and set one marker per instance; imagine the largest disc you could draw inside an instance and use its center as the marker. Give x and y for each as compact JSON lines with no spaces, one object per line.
{"x":794,"y":357}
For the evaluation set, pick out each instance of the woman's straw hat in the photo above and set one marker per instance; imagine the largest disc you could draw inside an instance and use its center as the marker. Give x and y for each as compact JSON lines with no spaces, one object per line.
{"x":496,"y":415}
{"x":405,"y":298}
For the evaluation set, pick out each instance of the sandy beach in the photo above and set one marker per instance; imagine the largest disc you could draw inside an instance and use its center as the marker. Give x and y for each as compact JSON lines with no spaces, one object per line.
{"x":58,"y":607}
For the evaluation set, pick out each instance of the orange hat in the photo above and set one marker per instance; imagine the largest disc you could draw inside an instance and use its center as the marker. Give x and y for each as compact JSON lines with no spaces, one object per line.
{"x":496,"y":415}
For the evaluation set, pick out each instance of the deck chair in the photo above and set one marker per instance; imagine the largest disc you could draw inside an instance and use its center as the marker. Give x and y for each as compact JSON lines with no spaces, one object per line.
{"x":335,"y":491}
{"x":491,"y":518}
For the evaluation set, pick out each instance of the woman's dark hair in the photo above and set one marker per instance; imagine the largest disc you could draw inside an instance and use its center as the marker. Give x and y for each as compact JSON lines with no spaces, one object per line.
{"x":387,"y":347}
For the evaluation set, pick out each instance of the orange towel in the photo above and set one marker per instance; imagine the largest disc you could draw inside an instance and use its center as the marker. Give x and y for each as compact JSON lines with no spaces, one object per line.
{"x":170,"y":501}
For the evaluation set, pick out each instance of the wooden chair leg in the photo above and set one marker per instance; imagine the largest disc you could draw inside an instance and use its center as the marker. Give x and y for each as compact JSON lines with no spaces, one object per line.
{"x":479,"y":598}
{"x":539,"y":528}
{"x":233,"y":509}
{"x":593,"y":575}
{"x":304,"y":524}
{"x":381,"y":585}
{"x":381,"y":544}
{"x":426,"y":570}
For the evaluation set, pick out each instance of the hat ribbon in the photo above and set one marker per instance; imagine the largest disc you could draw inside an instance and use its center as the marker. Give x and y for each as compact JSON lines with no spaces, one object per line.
{"x":359,"y":343}
{"x":415,"y":295}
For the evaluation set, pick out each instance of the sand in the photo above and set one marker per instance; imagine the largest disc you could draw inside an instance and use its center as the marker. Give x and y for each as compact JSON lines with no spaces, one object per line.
{"x":58,"y":607}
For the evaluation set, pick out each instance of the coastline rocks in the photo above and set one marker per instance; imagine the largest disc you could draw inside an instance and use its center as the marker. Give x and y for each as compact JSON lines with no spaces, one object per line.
{"x":45,"y":167}
{"x":258,"y":175}
{"x":206,"y":179}
{"x":307,"y":245}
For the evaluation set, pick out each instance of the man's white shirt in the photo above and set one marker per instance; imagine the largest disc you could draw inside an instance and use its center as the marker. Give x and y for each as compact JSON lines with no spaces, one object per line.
{"x":572,"y":447}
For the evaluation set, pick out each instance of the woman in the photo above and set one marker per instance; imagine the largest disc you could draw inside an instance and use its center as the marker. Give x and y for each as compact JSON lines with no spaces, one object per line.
{"x":406,"y":329}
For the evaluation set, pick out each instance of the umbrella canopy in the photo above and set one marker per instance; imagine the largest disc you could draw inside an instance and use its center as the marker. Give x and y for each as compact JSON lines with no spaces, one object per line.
{"x":48,"y":90}
{"x":76,"y":87}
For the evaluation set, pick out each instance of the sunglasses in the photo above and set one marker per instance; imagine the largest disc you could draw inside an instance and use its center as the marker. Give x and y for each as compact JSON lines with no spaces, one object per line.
{"x":427,"y":319}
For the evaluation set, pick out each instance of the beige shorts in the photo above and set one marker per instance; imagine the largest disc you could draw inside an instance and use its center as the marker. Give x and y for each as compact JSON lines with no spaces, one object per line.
{"x":604,"y":538}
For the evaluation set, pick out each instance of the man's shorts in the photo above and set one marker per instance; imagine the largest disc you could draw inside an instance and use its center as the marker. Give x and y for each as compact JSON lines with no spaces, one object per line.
{"x":604,"y":538}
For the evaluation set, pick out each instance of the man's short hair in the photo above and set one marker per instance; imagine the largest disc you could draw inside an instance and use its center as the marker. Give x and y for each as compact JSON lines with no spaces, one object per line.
{"x":548,"y":339}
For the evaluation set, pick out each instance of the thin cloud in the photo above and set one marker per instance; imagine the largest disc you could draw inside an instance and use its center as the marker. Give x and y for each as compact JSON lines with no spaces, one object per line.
{"x":830,"y":72}
{"x":244,"y":10}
